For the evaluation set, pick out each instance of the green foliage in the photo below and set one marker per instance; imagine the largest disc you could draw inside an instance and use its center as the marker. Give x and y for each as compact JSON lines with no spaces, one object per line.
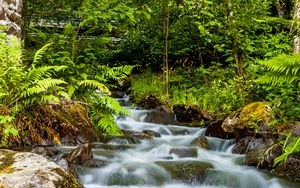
{"x":291,"y":145}
{"x":282,"y":69}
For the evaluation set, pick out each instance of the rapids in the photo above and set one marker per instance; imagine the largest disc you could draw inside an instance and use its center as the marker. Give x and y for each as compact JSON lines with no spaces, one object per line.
{"x":142,"y":165}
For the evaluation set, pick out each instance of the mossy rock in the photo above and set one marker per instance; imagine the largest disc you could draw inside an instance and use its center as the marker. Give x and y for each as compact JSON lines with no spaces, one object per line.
{"x":24,"y":169}
{"x":66,"y":123}
{"x":251,"y":119}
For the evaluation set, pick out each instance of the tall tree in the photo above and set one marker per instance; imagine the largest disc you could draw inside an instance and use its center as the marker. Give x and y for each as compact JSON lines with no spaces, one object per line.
{"x":166,"y":17}
{"x":11,"y":16}
{"x":296,"y":20}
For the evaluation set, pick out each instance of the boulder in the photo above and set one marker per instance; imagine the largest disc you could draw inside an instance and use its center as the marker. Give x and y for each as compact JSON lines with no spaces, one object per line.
{"x":249,"y":120}
{"x":215,"y":130}
{"x":201,"y":142}
{"x":82,"y":155}
{"x":290,"y":170}
{"x":186,"y":171}
{"x":161,"y":115}
{"x":187,"y":114}
{"x":149,"y":102}
{"x":25,"y":169}
{"x":262,"y":154}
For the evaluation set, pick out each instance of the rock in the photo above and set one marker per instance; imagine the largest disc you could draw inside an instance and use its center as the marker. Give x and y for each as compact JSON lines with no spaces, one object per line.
{"x":161,"y":115}
{"x":187,"y":114}
{"x":55,"y":124}
{"x":215,"y":130}
{"x":149,"y":102}
{"x":261,"y":154}
{"x":246,"y":144}
{"x":25,"y":169}
{"x":82,"y":155}
{"x":290,"y":170}
{"x":248,"y":121}
{"x":118,"y":94}
{"x":283,"y":129}
{"x":184,"y":152}
{"x":201,"y":142}
{"x":186,"y":171}
{"x":136,"y":136}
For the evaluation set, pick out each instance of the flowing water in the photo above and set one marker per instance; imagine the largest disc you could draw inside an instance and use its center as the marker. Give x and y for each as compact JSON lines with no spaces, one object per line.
{"x":151,"y":164}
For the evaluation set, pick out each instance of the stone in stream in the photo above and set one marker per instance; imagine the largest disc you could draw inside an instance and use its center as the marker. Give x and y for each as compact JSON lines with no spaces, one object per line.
{"x":161,"y":115}
{"x":25,"y":169}
{"x":184,"y":152}
{"x":186,"y":171}
{"x":291,"y":169}
{"x":215,"y":130}
{"x":201,"y":142}
{"x":82,"y":155}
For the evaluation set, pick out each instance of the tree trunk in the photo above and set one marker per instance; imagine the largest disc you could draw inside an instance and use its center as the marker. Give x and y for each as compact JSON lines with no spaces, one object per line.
{"x":297,"y":19}
{"x":11,"y":16}
{"x":237,"y":56}
{"x":166,"y":15}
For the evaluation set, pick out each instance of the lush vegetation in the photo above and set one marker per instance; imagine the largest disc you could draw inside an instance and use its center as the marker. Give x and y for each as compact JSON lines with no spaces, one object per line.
{"x":219,"y":55}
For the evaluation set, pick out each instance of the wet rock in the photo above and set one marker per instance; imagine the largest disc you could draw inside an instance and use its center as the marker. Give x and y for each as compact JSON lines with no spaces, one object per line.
{"x":290,"y":170}
{"x":118,"y":94}
{"x":24,"y":169}
{"x":186,"y":171}
{"x":261,"y":154}
{"x":201,"y":142}
{"x":82,"y":155}
{"x":184,"y":152}
{"x":136,"y":136}
{"x":246,"y":144}
{"x":249,"y":120}
{"x":112,"y":146}
{"x":149,"y":102}
{"x":215,"y":130}
{"x":161,"y":115}
{"x":187,"y":114}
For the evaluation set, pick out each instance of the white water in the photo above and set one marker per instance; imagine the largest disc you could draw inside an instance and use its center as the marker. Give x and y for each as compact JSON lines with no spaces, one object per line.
{"x":136,"y":167}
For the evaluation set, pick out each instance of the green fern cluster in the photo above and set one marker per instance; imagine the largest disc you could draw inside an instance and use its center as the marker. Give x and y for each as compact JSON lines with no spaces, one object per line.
{"x":282,"y":69}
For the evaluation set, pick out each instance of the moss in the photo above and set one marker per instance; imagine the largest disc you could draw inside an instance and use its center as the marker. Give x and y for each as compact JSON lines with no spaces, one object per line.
{"x":252,"y":115}
{"x":7,"y":161}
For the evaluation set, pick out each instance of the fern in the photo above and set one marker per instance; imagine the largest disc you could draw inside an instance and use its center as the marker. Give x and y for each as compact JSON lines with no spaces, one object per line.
{"x":283,"y":69}
{"x":95,"y":84}
{"x":39,"y":54}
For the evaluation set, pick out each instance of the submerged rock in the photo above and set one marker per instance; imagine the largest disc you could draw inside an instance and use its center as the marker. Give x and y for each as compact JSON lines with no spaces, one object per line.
{"x":201,"y":142}
{"x":184,"y":152}
{"x":24,"y":169}
{"x":186,"y":171}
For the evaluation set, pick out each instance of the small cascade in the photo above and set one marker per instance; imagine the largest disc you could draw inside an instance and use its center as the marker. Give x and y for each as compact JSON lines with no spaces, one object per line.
{"x":172,"y":161}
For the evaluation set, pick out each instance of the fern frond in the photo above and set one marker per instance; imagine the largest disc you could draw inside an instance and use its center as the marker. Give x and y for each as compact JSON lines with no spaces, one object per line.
{"x":39,"y":54}
{"x":107,"y":123}
{"x":49,"y":82}
{"x":113,"y":105}
{"x":42,"y":72}
{"x":48,"y":98}
{"x":95,"y":84}
{"x":283,"y":69}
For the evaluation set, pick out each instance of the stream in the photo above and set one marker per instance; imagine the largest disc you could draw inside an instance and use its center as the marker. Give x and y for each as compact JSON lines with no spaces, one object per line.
{"x":171,"y":161}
